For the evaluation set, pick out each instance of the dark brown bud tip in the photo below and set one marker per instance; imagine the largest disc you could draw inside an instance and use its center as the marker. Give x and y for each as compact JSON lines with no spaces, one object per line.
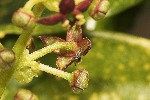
{"x":66,"y":6}
{"x":74,"y":34}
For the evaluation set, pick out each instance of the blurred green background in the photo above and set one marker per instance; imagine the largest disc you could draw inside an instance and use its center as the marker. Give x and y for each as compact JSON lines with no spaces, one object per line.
{"x":118,"y":63}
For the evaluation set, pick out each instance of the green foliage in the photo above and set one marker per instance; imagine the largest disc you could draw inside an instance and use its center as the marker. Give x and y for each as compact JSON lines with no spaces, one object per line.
{"x":118,"y":6}
{"x":120,"y":69}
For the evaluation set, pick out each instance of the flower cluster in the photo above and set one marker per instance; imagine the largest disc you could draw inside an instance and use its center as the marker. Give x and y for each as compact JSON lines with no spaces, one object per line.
{"x":67,"y":57}
{"x":69,"y":13}
{"x":69,"y":51}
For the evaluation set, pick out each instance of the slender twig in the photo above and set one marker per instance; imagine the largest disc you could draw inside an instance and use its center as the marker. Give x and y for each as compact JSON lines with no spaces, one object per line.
{"x":56,"y":46}
{"x":51,"y":70}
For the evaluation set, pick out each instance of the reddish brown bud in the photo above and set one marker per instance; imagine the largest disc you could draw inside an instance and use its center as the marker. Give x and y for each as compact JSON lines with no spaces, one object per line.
{"x":74,"y":34}
{"x":66,"y":6}
{"x":82,"y":6}
{"x":51,"y":20}
{"x":85,"y":46}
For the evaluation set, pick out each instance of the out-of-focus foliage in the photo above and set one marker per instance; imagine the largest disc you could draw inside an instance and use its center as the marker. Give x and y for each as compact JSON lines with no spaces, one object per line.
{"x":120,"y":70}
{"x":118,"y":64}
{"x":118,"y":6}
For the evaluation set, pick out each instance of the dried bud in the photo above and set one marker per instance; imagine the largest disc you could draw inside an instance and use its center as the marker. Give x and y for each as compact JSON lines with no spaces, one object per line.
{"x":74,"y":34}
{"x":80,"y":80}
{"x":85,"y":46}
{"x":7,"y":57}
{"x":24,"y":94}
{"x":99,"y":8}
{"x":23,"y":19}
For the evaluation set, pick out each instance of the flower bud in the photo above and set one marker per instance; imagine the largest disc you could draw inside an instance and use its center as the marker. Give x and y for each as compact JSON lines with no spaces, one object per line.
{"x":24,"y":94}
{"x":23,"y":19}
{"x":80,"y":80}
{"x":7,"y":57}
{"x":66,"y":6}
{"x":74,"y":34}
{"x":99,"y":8}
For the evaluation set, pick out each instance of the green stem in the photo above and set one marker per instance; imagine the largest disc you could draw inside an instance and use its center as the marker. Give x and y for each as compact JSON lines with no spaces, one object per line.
{"x":18,"y":48}
{"x":56,"y":46}
{"x":22,"y":41}
{"x":29,"y":5}
{"x":54,"y":71}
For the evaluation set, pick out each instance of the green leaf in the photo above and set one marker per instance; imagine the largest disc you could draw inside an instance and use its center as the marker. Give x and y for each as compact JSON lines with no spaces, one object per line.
{"x":119,"y":68}
{"x":39,"y":30}
{"x":118,"y":6}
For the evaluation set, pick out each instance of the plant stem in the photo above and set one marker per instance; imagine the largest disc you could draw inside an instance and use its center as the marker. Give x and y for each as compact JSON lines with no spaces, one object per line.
{"x":21,"y":43}
{"x":29,"y":5}
{"x":56,"y":46}
{"x":23,"y":39}
{"x":54,"y":71}
{"x":18,"y":48}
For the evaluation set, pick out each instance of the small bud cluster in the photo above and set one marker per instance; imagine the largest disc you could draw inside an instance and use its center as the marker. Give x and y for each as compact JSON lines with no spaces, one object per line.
{"x":67,"y":57}
{"x":97,"y":10}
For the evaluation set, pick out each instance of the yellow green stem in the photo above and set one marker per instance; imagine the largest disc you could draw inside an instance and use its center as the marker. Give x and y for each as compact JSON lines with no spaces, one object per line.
{"x":51,"y":70}
{"x":56,"y":46}
{"x":29,"y":5}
